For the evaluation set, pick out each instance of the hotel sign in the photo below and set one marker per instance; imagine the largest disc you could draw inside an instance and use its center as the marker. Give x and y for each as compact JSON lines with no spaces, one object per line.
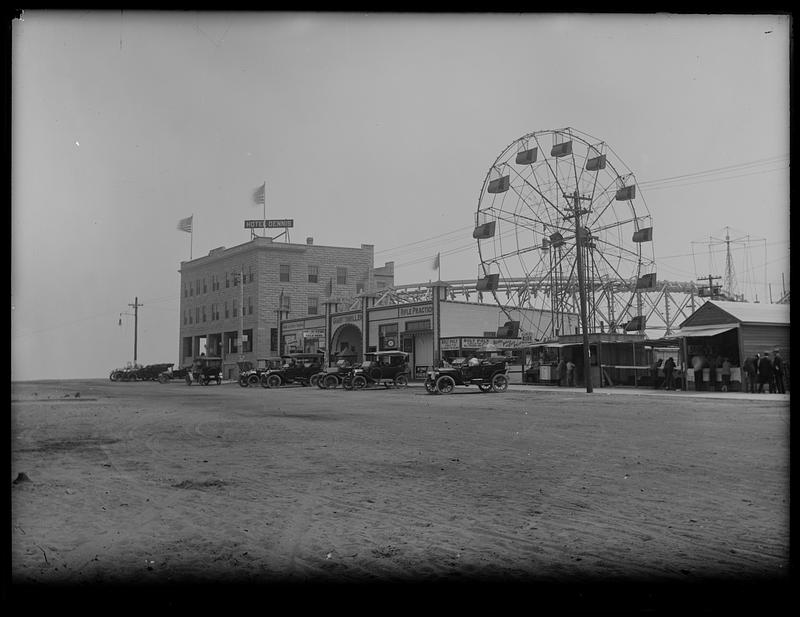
{"x":268,"y":223}
{"x":343,"y":319}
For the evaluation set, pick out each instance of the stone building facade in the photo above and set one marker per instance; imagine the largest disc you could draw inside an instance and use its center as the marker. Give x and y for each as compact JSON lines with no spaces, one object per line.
{"x":230,"y":299}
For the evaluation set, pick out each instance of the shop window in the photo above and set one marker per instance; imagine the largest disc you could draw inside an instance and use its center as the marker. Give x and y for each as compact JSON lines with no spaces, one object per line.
{"x":387,"y":336}
{"x":341,"y":275}
{"x":284,"y":273}
{"x":313,"y":274}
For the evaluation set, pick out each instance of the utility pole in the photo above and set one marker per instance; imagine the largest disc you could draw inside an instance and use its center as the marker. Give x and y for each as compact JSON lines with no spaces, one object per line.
{"x":579,"y":241}
{"x":709,"y":278}
{"x":135,"y":306}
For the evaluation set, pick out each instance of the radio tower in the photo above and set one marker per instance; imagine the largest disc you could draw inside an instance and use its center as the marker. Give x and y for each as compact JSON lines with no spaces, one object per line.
{"x":730,"y":286}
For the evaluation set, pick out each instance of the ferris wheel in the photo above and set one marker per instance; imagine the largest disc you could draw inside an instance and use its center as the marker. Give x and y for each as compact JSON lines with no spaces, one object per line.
{"x":559,"y":211}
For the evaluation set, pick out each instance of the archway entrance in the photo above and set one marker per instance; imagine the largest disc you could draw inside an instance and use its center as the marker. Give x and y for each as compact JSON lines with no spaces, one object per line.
{"x":346,"y":340}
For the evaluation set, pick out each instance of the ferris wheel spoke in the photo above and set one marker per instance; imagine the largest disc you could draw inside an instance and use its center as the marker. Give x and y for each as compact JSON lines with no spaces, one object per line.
{"x":536,"y":189}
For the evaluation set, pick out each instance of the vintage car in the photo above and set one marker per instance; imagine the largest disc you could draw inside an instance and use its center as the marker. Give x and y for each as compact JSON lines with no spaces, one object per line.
{"x":300,"y":368}
{"x":332,"y":376}
{"x":204,"y":370}
{"x":250,"y":375}
{"x":174,"y":373}
{"x":490,"y":375}
{"x":137,"y":372}
{"x":379,"y":368}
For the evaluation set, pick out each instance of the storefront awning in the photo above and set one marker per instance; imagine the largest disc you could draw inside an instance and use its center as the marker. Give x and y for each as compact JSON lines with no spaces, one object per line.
{"x":706,"y":331}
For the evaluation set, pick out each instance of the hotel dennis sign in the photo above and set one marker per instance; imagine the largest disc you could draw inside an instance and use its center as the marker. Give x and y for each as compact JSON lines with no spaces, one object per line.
{"x":268,"y":223}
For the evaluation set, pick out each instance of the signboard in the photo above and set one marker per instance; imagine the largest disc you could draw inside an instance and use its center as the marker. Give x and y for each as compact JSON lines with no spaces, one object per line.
{"x":449,"y":344}
{"x":411,"y":311}
{"x":343,"y":319}
{"x":268,"y":223}
{"x":500,"y":343}
{"x":317,"y":333}
{"x":421,"y":371}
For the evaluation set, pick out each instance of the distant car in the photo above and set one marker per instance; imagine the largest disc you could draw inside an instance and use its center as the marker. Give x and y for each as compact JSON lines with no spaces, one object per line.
{"x":250,"y":375}
{"x":300,"y":368}
{"x":205,"y":370}
{"x":174,"y":373}
{"x":490,"y":375}
{"x":379,"y":368}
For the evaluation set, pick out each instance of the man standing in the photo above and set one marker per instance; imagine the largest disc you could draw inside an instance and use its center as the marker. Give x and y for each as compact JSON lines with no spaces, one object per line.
{"x":764,"y":372}
{"x":749,"y":370}
{"x":777,"y":369}
{"x":698,"y":363}
{"x":570,"y":373}
{"x":669,"y":367}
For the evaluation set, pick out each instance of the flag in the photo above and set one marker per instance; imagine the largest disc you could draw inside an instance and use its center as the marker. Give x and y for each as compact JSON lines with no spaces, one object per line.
{"x":260,"y":195}
{"x":436,"y":262}
{"x":186,"y":224}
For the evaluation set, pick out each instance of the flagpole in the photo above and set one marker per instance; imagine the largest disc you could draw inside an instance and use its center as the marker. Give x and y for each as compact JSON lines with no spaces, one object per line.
{"x":264,"y":229}
{"x":191,"y":238}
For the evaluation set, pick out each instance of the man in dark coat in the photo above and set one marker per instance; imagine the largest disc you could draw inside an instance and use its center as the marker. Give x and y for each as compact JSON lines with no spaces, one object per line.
{"x":764,"y":372}
{"x":750,"y":374}
{"x":669,"y":367}
{"x":777,"y":368}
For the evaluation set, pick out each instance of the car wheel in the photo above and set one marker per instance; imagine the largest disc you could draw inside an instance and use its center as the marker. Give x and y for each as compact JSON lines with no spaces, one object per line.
{"x":359,"y":382}
{"x":243,"y":382}
{"x":500,"y":383}
{"x":163,"y":379}
{"x":430,"y":386}
{"x":329,"y":382}
{"x":485,"y":387}
{"x":401,"y":381}
{"x":445,"y":384}
{"x":347,"y":383}
{"x":273,"y":381}
{"x":253,"y":380}
{"x":313,"y":380}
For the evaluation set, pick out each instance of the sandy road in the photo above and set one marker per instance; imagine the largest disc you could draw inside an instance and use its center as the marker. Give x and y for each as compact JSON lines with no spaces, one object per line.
{"x":140,"y":482}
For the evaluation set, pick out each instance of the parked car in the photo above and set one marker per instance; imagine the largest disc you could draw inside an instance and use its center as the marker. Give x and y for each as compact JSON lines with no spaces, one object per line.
{"x":490,"y":375}
{"x":174,"y":373}
{"x":137,"y":372}
{"x":379,"y":368}
{"x":300,"y":368}
{"x":332,"y":376}
{"x":250,"y":375}
{"x":204,"y":370}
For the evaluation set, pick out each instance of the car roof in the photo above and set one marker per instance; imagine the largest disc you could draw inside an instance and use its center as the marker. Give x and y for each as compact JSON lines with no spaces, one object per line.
{"x":302,"y":355}
{"x":387,"y":353}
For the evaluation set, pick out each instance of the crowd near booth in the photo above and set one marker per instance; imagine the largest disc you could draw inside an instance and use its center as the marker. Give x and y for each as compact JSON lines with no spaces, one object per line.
{"x":736,"y":331}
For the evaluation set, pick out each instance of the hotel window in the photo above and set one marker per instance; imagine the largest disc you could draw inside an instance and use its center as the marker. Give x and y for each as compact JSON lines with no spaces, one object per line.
{"x":227,"y":280}
{"x":341,"y":275}
{"x":250,"y":305}
{"x":250,"y":273}
{"x":247,"y":341}
{"x":191,"y":289}
{"x":197,"y":314}
{"x":185,"y":291}
{"x":313,"y":305}
{"x":197,"y":288}
{"x":190,"y":316}
{"x":213,"y":307}
{"x":313,"y":274}
{"x":216,"y":312}
{"x":185,"y":321}
{"x":284,"y":273}
{"x":205,"y":289}
{"x":227,"y":314}
{"x":235,"y":309}
{"x":286,"y":302}
{"x":236,"y":276}
{"x":204,"y":312}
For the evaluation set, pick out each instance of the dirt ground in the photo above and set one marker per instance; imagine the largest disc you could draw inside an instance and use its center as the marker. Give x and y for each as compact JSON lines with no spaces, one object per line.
{"x":144,"y":483}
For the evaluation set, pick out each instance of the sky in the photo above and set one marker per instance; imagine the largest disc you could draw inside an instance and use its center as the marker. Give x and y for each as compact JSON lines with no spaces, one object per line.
{"x":367,"y":128}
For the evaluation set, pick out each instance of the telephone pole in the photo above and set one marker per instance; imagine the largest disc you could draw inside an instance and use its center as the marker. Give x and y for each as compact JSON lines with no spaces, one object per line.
{"x":135,"y":306}
{"x":580,"y":232}
{"x":711,"y":287}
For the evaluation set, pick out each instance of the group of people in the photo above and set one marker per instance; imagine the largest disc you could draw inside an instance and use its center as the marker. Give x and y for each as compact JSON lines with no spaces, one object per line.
{"x":760,"y":370}
{"x":760,"y":373}
{"x":566,"y":372}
